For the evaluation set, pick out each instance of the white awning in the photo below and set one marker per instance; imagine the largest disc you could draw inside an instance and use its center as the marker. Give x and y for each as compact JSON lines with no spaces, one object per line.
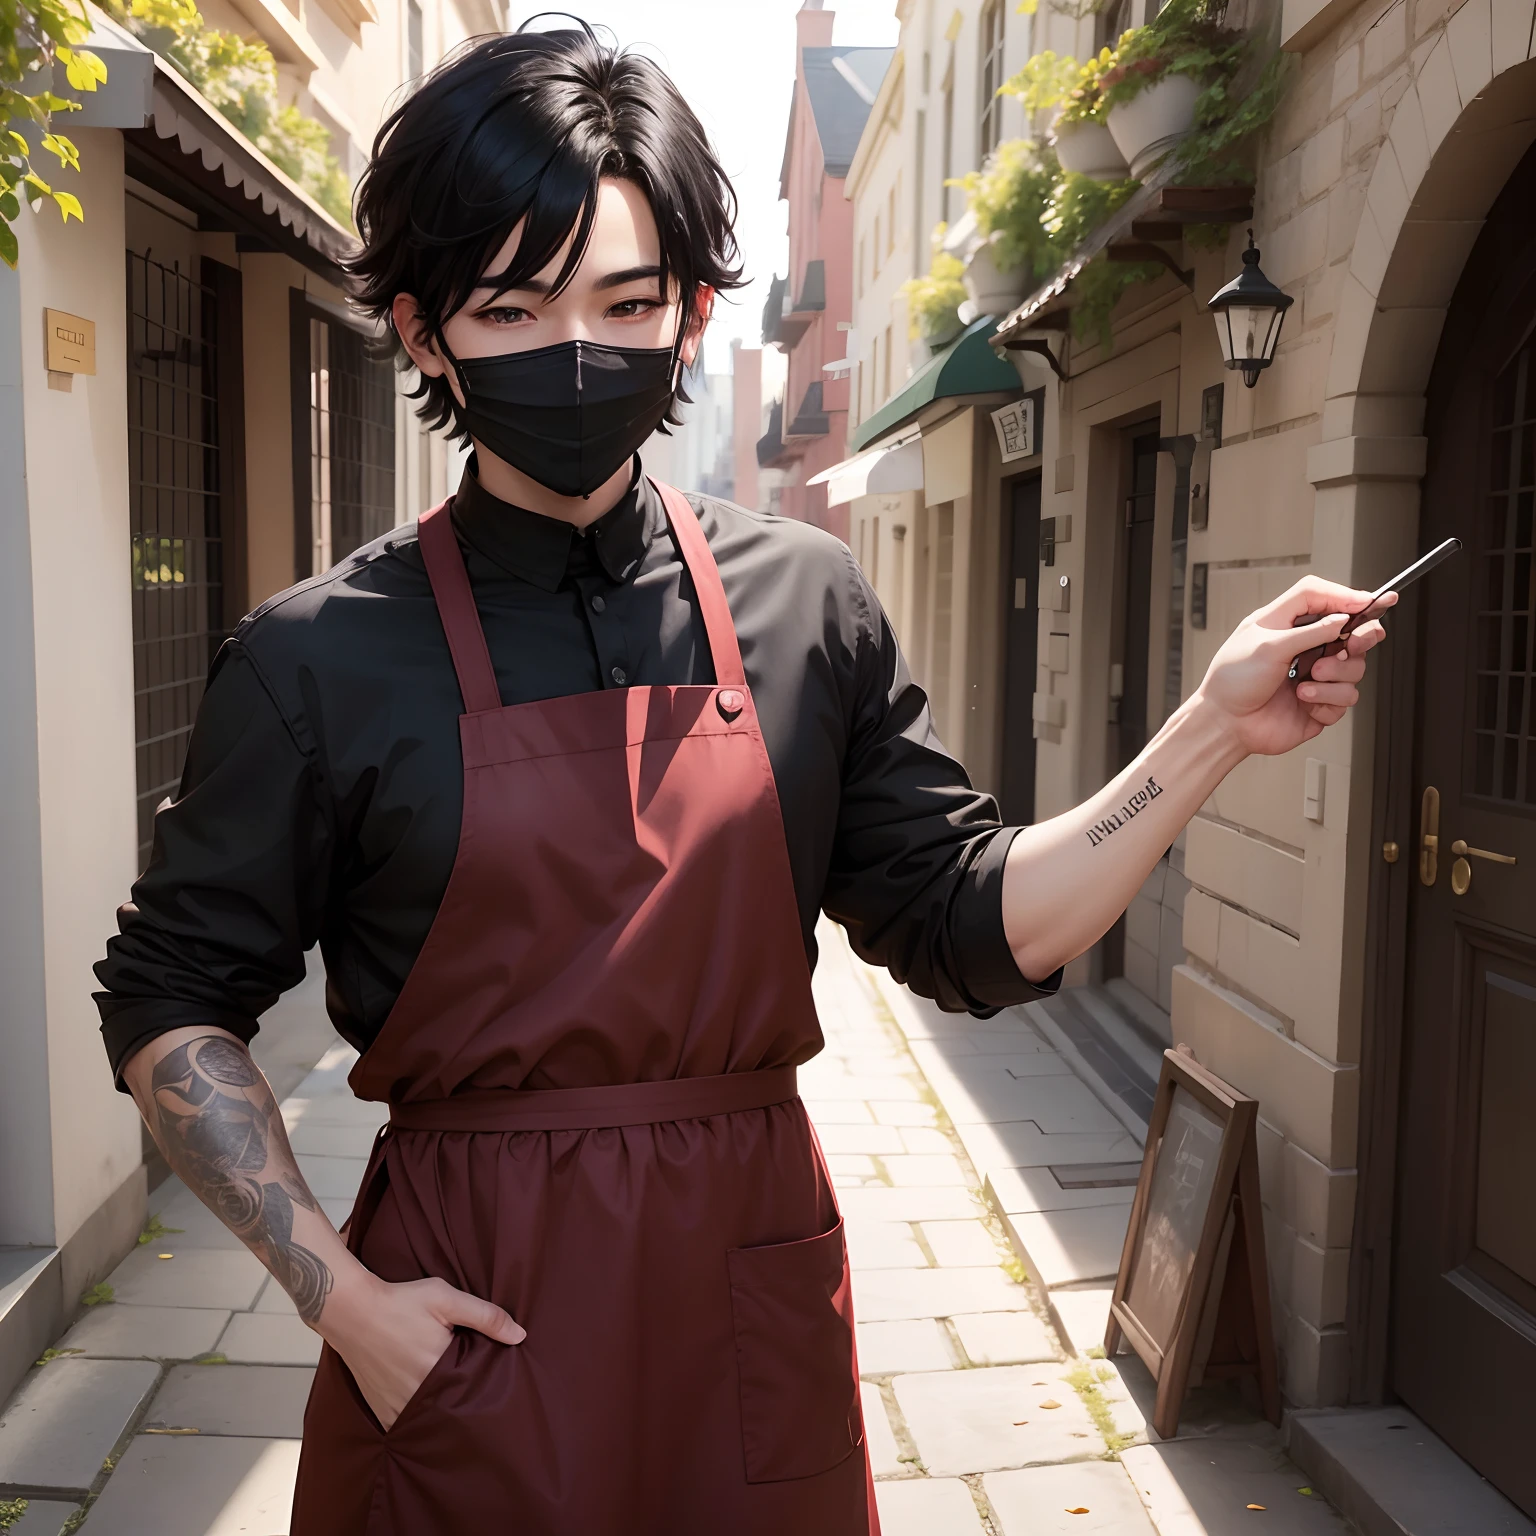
{"x":876,"y":471}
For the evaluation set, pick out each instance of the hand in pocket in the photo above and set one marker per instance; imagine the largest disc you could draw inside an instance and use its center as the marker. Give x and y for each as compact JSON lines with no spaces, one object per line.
{"x":391,"y":1335}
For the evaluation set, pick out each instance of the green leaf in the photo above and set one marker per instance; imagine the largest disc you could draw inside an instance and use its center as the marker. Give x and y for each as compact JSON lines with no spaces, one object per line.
{"x":8,"y":246}
{"x":32,"y":179}
{"x":10,"y":207}
{"x":69,"y":204}
{"x":21,"y":144}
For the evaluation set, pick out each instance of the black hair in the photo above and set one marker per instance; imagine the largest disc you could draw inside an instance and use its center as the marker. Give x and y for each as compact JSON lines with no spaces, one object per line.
{"x":524,"y":126}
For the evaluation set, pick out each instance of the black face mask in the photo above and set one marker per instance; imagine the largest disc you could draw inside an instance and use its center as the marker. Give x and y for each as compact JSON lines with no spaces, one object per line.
{"x":569,"y":416}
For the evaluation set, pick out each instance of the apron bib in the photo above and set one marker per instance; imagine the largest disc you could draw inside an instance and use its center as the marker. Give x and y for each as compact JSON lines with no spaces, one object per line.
{"x":594,"y":1124}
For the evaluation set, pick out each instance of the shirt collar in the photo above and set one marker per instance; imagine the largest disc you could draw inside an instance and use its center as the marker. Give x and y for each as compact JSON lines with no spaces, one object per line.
{"x":544,"y":550}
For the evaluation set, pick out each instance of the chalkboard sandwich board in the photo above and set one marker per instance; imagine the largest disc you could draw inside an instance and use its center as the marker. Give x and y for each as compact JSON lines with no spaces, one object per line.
{"x":1192,"y":1296}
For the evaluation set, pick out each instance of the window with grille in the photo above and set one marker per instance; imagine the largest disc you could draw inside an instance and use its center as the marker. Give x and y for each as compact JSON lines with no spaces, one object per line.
{"x":991,"y":77}
{"x":176,"y":499}
{"x":1505,"y":725}
{"x":344,"y":440}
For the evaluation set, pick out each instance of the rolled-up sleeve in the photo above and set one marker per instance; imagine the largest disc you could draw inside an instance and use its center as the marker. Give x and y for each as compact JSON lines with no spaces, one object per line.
{"x":217,"y":925}
{"x":917,"y":862}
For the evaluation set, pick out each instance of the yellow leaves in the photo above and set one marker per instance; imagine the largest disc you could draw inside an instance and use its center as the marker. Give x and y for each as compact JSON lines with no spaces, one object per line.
{"x":69,"y":206}
{"x":1256,"y":1506}
{"x":42,"y":189}
{"x":57,"y":144}
{"x":1082,"y":1509}
{"x":1050,"y":1402}
{"x":1028,"y":7}
{"x":84,"y":70}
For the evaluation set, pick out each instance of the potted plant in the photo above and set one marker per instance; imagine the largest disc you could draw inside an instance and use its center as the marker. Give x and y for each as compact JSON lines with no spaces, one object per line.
{"x":1005,"y":203}
{"x":1152,"y":90}
{"x":934,"y":300}
{"x":1080,"y":138}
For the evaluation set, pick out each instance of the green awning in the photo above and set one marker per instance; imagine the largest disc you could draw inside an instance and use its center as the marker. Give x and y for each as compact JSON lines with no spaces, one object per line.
{"x":967,"y":366}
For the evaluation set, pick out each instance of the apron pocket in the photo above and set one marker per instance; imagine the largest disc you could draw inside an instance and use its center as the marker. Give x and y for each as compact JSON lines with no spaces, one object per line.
{"x":793,"y":1316}
{"x":426,"y":1392}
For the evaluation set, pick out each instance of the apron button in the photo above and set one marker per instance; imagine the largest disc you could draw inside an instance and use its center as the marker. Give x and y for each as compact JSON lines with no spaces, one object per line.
{"x":730,"y":703}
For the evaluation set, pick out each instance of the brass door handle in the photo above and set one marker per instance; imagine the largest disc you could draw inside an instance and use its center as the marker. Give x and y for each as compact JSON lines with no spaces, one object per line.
{"x":1459,"y":847}
{"x":1461,"y":871}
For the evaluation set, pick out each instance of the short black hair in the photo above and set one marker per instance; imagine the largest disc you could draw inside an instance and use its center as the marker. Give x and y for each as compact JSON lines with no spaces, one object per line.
{"x":524,"y":126}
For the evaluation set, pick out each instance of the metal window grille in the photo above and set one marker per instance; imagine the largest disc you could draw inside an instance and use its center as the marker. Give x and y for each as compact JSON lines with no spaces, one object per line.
{"x":351,"y":443}
{"x":991,"y":77}
{"x":176,"y":556}
{"x":1504,"y":665}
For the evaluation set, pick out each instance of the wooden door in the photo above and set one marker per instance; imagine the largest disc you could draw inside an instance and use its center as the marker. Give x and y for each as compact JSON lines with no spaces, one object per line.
{"x":1464,"y":1314}
{"x":1019,"y":673}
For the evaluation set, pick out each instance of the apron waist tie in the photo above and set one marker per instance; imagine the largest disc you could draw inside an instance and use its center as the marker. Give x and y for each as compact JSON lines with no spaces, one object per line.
{"x":598,"y":1108}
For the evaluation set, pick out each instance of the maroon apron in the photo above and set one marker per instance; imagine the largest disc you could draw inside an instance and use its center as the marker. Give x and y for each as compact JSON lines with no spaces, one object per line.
{"x":593,"y":1123}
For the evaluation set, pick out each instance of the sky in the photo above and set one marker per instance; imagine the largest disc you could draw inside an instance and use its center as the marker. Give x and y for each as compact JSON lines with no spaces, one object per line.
{"x":734,"y":61}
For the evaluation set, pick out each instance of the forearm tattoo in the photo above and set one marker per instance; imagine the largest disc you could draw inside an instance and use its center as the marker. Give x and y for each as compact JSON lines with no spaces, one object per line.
{"x":1132,"y":808}
{"x":221,"y":1131}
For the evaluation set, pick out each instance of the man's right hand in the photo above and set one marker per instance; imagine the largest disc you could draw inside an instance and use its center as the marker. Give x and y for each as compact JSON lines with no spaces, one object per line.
{"x":391,"y":1335}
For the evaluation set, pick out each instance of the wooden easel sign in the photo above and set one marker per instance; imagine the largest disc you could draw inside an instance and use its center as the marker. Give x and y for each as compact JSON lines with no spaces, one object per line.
{"x":1192,"y":1296}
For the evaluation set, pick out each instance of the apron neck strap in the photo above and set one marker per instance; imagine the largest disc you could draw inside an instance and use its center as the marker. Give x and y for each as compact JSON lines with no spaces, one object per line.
{"x":456,"y":607}
{"x":716,"y":612}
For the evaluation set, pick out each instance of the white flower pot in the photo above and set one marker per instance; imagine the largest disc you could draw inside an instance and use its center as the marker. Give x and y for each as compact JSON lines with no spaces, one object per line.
{"x":991,"y":291}
{"x":1154,"y":121}
{"x":1089,"y":149}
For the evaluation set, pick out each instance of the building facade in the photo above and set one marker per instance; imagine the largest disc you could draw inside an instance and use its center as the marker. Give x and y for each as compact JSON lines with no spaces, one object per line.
{"x":809,"y":311}
{"x":193,"y":420}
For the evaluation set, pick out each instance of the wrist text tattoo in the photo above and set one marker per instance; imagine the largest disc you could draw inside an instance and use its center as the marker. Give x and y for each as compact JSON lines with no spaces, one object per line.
{"x":1132,"y":807}
{"x":221,"y":1131}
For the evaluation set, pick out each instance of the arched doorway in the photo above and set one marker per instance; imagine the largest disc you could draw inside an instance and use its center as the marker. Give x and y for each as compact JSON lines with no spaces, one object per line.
{"x":1463,"y":1331}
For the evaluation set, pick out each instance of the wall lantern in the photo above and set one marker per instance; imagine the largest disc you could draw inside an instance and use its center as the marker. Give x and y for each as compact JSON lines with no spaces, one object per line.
{"x":1248,"y":314}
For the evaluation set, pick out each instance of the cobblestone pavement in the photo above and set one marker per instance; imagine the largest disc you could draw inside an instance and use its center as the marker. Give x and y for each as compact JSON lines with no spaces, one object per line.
{"x":174,"y":1404}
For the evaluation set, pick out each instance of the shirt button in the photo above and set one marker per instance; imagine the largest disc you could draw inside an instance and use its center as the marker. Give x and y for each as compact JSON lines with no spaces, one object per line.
{"x":619,"y":676}
{"x":597,"y":602}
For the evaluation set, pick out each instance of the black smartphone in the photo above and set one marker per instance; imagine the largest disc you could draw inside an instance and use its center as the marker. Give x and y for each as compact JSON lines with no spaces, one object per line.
{"x":1301,"y":667}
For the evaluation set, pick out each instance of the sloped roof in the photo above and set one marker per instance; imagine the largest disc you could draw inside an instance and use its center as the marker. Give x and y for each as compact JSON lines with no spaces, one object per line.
{"x":842,"y":84}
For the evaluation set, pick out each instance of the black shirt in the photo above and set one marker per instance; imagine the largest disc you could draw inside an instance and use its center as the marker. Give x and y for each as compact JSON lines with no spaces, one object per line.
{"x":324,"y":784}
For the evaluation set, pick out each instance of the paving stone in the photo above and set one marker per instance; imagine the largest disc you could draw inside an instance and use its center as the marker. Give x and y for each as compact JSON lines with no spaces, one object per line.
{"x":268,"y":1338}
{"x":1038,"y":1501}
{"x":1022,"y":1144}
{"x":867,"y":1137}
{"x":140,"y":1333}
{"x":828,"y":1112}
{"x":332,"y":1109}
{"x":1083,"y":1313}
{"x":1060,"y":1247}
{"x":882,"y":1295}
{"x":925,"y":1170}
{"x":333,"y":1177}
{"x":852,"y":1165}
{"x":909,"y":1344}
{"x":925,"y":1138}
{"x":314,"y":1139}
{"x":42,"y":1517}
{"x":199,"y":1485}
{"x":961,"y":1242}
{"x":1191,"y":1487}
{"x":196,"y":1277}
{"x":883,"y":1245}
{"x":883,"y":1450}
{"x":1004,"y":1338}
{"x":274,"y":1298}
{"x":66,"y":1418}
{"x":191,"y":1223}
{"x":1036,"y":1189}
{"x":942,"y":1203}
{"x":898,"y":1113}
{"x":262,"y":1400}
{"x":870,"y":1089}
{"x":969,"y":1421}
{"x":927,"y":1506}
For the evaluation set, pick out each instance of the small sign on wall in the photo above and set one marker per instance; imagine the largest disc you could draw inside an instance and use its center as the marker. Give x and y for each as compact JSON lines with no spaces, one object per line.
{"x":71,"y":342}
{"x":1017,"y":429}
